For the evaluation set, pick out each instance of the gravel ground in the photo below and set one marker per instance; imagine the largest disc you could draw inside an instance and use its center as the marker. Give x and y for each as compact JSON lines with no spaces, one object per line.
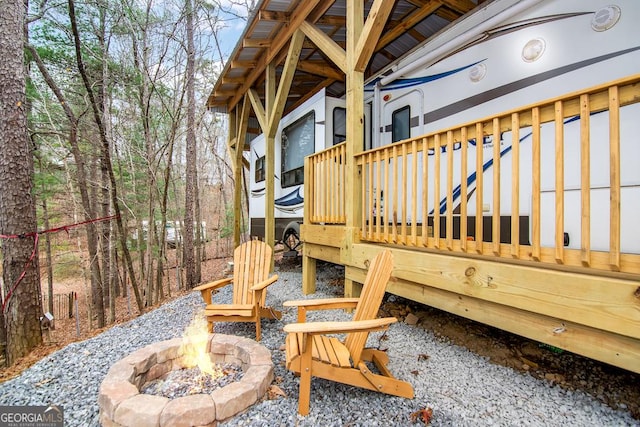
{"x":462,"y":388}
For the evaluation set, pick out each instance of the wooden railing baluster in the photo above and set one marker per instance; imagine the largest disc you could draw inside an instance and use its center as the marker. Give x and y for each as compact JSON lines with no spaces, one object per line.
{"x":614,"y":178}
{"x":409,"y":210}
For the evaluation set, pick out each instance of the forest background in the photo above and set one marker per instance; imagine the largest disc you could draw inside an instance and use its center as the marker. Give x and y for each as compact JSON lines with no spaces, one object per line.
{"x":124,"y":159}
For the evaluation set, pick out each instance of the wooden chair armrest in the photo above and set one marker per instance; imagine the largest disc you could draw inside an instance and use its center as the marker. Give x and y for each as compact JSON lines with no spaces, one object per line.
{"x":207,"y":288}
{"x":305,"y":305}
{"x":213,"y":285}
{"x":316,"y":328}
{"x":323,"y":303}
{"x":260,"y":286}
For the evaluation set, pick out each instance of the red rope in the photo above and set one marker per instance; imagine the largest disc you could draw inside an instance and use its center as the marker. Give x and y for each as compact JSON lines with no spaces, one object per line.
{"x":36,"y":236}
{"x":24,"y":273}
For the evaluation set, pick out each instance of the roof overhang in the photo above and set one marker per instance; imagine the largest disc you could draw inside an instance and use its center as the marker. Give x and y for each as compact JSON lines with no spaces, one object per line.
{"x":270,"y":27}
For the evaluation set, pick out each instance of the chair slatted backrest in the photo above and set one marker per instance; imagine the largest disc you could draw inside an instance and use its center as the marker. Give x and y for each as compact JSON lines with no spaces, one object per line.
{"x":251,"y":264}
{"x":371,"y":296}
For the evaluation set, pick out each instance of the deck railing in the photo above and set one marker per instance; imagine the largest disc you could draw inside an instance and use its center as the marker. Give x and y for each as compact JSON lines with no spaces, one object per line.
{"x":325,"y":182}
{"x":544,"y":174}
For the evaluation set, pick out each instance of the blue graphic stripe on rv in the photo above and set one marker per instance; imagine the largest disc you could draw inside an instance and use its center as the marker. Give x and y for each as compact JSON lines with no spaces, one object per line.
{"x":497,"y":92}
{"x":472,"y":178}
{"x":415,"y":81}
{"x":291,"y":199}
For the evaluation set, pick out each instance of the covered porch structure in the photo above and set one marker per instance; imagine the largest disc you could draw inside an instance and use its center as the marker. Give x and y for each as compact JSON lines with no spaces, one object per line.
{"x":586,"y":301}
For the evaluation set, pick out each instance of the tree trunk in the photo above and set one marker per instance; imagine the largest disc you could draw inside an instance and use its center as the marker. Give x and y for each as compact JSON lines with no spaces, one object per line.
{"x":122,"y":233}
{"x":20,"y":270}
{"x":47,"y":241}
{"x":79,"y":159}
{"x":198,"y":234}
{"x":105,"y":232}
{"x":191,"y":157}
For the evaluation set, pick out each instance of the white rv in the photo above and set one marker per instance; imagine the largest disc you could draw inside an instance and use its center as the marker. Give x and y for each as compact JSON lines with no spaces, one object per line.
{"x":317,"y":124}
{"x":505,"y":55}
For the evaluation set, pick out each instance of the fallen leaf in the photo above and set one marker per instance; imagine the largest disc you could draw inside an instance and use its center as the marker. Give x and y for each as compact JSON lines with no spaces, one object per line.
{"x":275,"y":391}
{"x":423,"y":356}
{"x":423,"y":415}
{"x":416,"y":372}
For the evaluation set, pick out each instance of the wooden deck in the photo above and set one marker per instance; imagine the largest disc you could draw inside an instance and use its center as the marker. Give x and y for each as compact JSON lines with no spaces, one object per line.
{"x":462,"y":258}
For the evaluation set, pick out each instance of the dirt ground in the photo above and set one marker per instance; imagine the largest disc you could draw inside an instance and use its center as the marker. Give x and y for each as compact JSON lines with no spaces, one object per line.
{"x":78,"y":328}
{"x":615,"y":387}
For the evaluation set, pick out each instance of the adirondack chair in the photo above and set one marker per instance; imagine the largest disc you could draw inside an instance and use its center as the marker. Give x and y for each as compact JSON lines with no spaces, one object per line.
{"x":251,"y":264}
{"x":311,"y":353}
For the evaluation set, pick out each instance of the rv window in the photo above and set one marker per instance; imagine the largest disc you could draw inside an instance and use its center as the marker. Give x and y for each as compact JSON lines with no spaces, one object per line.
{"x":401,"y":124}
{"x":298,"y":141}
{"x":259,"y":167}
{"x":339,"y":125}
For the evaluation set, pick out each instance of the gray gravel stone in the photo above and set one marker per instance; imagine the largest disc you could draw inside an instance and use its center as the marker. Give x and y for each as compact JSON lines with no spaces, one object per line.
{"x":462,"y":388}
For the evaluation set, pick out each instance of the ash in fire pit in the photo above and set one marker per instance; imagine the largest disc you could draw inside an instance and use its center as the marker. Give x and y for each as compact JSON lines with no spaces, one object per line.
{"x":185,"y":382}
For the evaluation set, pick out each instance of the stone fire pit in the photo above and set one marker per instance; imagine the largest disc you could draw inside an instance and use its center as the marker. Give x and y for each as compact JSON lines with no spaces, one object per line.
{"x":122,"y":404}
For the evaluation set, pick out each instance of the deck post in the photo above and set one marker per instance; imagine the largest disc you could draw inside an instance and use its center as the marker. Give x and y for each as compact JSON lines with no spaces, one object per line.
{"x":355,"y":132}
{"x":242,"y":123}
{"x":269,"y":158}
{"x":231,"y":141}
{"x":308,"y":263}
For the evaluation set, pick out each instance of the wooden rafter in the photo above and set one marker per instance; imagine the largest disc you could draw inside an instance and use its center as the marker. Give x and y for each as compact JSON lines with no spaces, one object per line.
{"x":321,"y":69}
{"x":279,"y":42}
{"x":286,"y":79}
{"x":325,"y":44}
{"x":408,"y":23}
{"x":460,"y":6}
{"x":373,"y":27}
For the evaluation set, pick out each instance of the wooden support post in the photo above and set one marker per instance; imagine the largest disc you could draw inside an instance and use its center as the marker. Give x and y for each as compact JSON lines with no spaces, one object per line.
{"x":269,"y":159}
{"x":355,"y":127}
{"x":237,"y":170}
{"x":352,"y":289}
{"x":308,"y":263}
{"x":308,"y":275}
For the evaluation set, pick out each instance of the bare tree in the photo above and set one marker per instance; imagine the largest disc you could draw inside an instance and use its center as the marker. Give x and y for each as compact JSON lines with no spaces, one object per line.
{"x":191,"y":187}
{"x":106,"y":155}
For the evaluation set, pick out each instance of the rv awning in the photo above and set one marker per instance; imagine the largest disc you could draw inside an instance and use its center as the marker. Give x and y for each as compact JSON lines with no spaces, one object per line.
{"x":270,"y":27}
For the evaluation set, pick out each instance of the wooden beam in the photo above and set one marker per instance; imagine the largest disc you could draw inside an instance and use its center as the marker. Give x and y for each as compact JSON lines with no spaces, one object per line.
{"x":338,"y":21}
{"x":237,"y":170}
{"x":355,"y":125}
{"x":232,"y":80}
{"x":321,"y":69}
{"x":224,"y":92}
{"x":274,"y":16}
{"x":325,"y":44}
{"x":270,"y":171}
{"x":616,"y":350}
{"x":596,"y":301}
{"x":286,"y":78}
{"x":460,"y":6}
{"x":244,"y":64}
{"x":309,"y":93}
{"x":258,"y":109}
{"x":410,"y":22}
{"x":376,"y":20}
{"x":279,"y":41}
{"x":256,"y":43}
